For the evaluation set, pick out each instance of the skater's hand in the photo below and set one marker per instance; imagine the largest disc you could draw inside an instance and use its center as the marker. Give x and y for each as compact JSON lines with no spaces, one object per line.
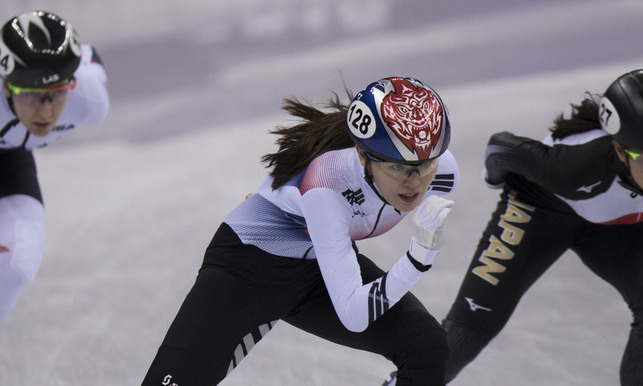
{"x":489,"y":182}
{"x":427,"y":238}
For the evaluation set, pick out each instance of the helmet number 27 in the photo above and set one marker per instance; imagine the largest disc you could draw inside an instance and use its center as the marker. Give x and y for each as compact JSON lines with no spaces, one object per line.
{"x":360,"y":120}
{"x":608,"y":116}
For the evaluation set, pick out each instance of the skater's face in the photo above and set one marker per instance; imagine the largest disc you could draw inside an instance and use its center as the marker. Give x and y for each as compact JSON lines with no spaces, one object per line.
{"x":39,"y":109}
{"x":401,"y":186}
{"x":633,"y":158}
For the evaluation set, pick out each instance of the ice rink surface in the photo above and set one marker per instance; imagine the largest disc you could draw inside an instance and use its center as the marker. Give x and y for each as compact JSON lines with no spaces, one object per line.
{"x":195,"y":87}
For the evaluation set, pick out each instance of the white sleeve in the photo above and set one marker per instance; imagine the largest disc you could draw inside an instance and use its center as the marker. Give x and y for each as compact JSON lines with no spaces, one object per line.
{"x":357,"y":304}
{"x":91,"y":87}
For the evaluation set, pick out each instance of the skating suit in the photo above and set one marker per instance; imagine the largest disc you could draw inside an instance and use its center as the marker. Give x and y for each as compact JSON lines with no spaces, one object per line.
{"x":87,"y":103}
{"x":565,"y":194}
{"x":289,"y":254}
{"x":330,"y":205}
{"x":21,"y":204}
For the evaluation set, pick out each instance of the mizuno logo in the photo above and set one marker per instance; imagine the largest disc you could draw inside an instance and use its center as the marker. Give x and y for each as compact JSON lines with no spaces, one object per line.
{"x":474,"y":307}
{"x":588,"y":189}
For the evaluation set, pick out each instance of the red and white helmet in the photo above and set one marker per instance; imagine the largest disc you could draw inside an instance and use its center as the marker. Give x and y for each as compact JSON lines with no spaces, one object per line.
{"x":399,"y":119}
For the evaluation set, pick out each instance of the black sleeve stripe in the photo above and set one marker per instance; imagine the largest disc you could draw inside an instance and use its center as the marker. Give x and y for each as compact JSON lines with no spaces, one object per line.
{"x":378,"y":304}
{"x":442,"y":183}
{"x":383,"y":286}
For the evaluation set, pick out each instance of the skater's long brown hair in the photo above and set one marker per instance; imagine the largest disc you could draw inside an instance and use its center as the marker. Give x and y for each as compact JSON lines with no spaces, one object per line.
{"x":584,"y":117}
{"x":319,"y":132}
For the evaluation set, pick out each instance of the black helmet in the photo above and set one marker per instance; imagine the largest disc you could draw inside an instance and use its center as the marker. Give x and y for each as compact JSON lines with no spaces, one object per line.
{"x":37,"y":49}
{"x":621,"y":109}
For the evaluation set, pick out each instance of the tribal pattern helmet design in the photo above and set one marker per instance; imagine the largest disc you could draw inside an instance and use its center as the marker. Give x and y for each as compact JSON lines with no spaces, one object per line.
{"x":399,"y":120}
{"x":415,"y":115}
{"x":38,"y":49}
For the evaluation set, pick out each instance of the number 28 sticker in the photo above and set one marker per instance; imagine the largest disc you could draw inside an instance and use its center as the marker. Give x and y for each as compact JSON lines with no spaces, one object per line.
{"x":360,"y":120}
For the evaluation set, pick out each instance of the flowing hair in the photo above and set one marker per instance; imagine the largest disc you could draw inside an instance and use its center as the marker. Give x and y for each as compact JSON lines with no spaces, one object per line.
{"x":317,"y":133}
{"x":584,"y":117}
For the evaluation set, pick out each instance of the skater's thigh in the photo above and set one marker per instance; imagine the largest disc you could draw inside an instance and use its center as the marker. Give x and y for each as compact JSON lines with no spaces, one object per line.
{"x":384,"y":336}
{"x":232,"y":303}
{"x":230,"y":308}
{"x":219,"y":309}
{"x":518,"y":245}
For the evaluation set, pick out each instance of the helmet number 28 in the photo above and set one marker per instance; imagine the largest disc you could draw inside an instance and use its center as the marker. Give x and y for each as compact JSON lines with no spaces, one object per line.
{"x":360,"y":120}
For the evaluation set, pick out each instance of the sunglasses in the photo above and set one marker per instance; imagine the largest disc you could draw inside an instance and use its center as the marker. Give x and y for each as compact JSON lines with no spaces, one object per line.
{"x":402,"y":171}
{"x":37,"y":96}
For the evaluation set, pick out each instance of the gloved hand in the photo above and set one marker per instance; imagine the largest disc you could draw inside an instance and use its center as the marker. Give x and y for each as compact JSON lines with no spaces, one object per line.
{"x":427,"y":238}
{"x":487,"y":180}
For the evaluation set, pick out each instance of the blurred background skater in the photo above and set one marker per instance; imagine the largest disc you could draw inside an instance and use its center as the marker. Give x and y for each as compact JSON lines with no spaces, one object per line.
{"x":51,"y":83}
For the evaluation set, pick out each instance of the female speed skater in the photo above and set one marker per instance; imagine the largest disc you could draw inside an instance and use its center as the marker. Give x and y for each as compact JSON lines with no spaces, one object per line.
{"x":51,"y":83}
{"x":288,"y":252}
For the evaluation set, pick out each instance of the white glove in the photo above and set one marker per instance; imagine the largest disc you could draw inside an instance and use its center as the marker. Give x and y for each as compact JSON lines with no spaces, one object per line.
{"x":427,"y":238}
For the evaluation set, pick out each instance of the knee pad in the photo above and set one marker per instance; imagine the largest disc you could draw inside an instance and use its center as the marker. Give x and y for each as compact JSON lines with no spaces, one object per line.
{"x":28,"y":249}
{"x":424,"y":347}
{"x":465,"y":343}
{"x":22,"y":233}
{"x":424,"y":336}
{"x":18,"y":265}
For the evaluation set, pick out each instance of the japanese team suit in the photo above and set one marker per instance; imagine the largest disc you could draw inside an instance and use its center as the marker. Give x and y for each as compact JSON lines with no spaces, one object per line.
{"x":290,"y":254}
{"x":559,"y":195}
{"x":21,"y":209}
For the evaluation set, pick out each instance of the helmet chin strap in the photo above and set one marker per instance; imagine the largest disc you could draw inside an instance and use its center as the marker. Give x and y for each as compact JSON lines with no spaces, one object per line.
{"x":10,"y":103}
{"x":369,"y":180}
{"x":628,"y":181}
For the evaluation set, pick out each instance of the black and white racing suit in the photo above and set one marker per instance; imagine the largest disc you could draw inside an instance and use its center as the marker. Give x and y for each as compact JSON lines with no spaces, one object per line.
{"x":558,"y":195}
{"x":21,"y":205}
{"x":289,"y":254}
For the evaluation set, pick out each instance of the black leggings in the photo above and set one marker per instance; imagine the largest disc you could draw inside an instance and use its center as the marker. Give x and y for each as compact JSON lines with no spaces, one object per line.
{"x":241,"y":292}
{"x":521,"y":241}
{"x":18,"y":174}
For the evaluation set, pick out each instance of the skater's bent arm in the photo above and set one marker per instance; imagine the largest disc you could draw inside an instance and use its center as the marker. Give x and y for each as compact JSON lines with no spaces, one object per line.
{"x":357,"y":303}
